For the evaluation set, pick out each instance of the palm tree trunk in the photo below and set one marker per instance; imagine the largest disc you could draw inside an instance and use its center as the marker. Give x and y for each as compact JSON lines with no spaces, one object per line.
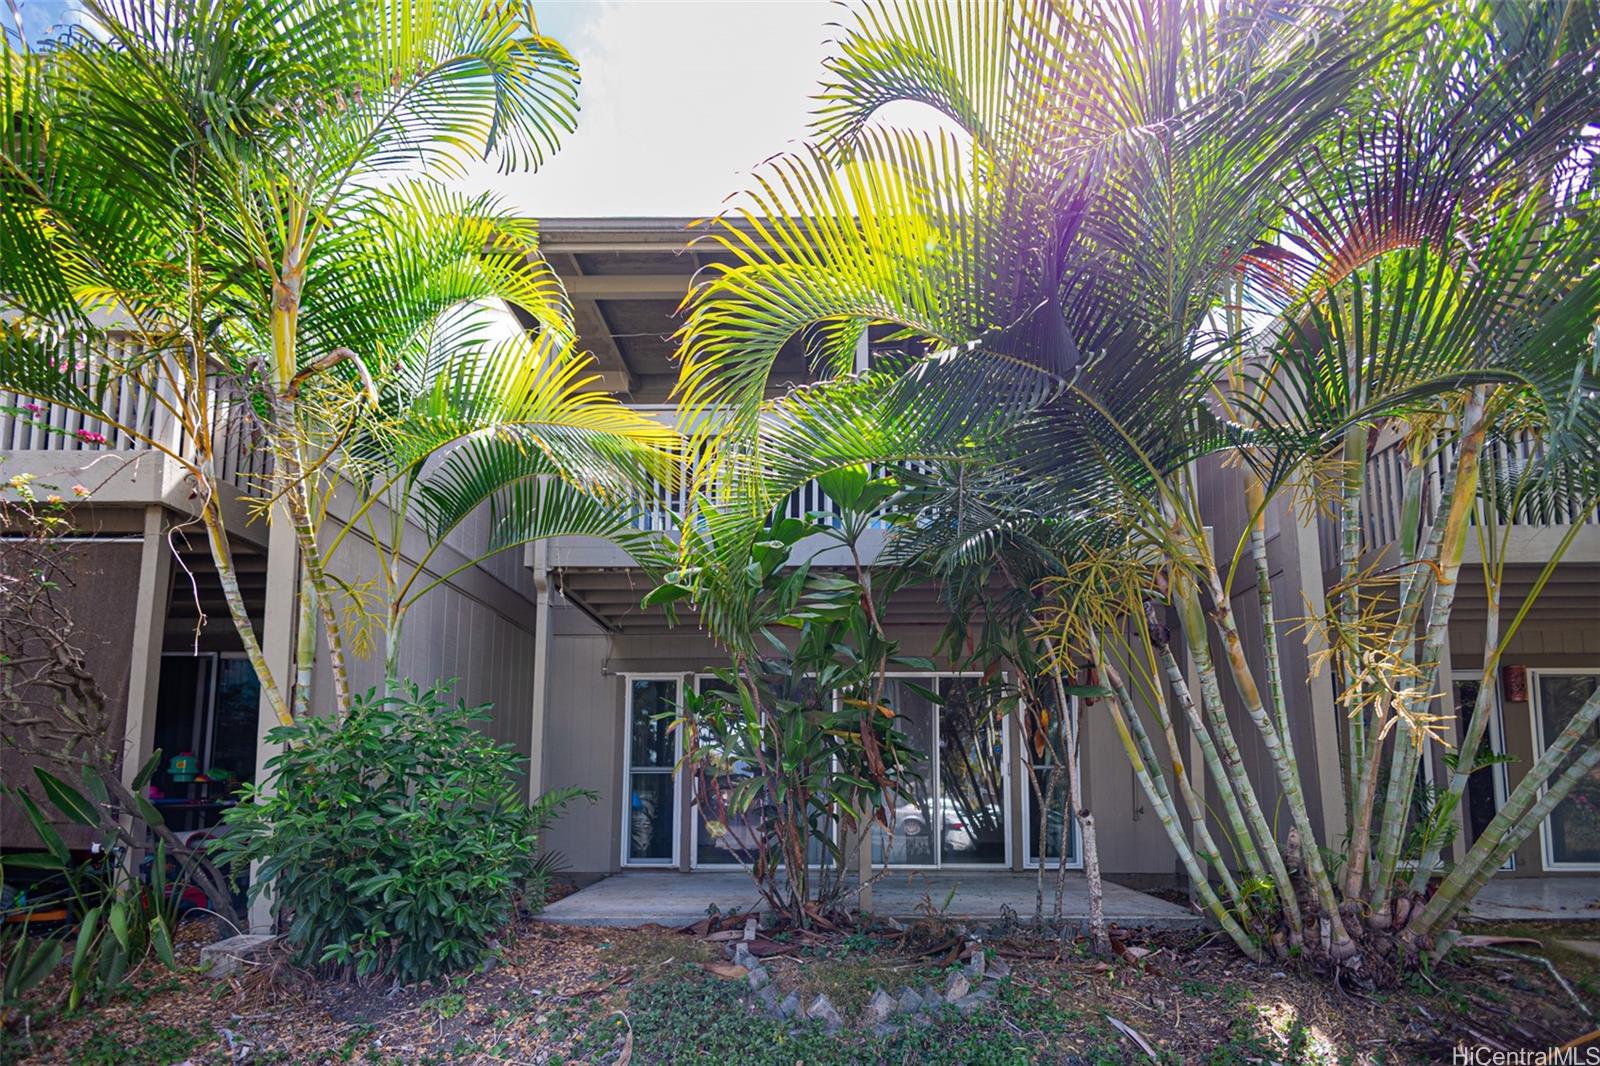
{"x":1408,"y":751}
{"x":1191,"y":799}
{"x":1340,"y":945}
{"x":1255,"y":499}
{"x":1124,"y":717}
{"x":222,"y":558}
{"x":1524,"y":809}
{"x":1355,"y":474}
{"x":1099,"y":937}
{"x":305,"y":651}
{"x":1237,"y":791}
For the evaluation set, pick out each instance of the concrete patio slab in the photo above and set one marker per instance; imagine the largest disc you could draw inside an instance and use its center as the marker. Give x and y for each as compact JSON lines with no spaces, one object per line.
{"x":671,"y":898}
{"x":1536,"y":899}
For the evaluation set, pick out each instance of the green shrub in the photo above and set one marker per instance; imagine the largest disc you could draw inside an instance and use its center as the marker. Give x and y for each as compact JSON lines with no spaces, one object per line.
{"x":396,"y":840}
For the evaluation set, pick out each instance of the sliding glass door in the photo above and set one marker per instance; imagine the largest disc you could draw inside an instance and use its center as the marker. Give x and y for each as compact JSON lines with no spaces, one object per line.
{"x":1571,"y":835}
{"x":954,"y":811}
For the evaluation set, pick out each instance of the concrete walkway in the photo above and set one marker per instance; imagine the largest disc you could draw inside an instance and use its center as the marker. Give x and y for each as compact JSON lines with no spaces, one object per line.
{"x":640,"y":897}
{"x":1538,"y":899}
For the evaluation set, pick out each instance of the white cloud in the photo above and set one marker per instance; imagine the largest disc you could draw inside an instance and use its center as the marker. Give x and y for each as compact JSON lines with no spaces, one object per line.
{"x":680,"y":101}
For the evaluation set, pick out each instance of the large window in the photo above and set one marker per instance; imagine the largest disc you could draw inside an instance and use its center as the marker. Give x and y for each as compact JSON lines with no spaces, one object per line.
{"x":1571,"y":835}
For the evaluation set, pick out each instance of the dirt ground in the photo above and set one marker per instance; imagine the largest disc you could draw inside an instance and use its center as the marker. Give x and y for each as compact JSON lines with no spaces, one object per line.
{"x":562,"y":994}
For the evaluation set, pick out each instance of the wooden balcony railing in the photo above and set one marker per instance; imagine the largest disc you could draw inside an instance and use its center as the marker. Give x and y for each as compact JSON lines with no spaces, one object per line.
{"x":1384,"y":493}
{"x":134,"y":413}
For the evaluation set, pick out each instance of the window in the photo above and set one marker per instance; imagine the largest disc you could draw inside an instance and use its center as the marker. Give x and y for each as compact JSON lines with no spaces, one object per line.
{"x":1571,"y":835}
{"x":955,"y":810}
{"x":1046,"y":734}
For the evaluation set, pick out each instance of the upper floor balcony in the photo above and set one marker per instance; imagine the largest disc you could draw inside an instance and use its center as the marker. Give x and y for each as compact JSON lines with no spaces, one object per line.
{"x":1538,"y":521}
{"x":122,"y":450}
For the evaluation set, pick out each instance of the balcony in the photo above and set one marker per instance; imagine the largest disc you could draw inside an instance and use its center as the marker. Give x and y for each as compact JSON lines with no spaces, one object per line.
{"x":112,"y":454}
{"x":1539,"y":522}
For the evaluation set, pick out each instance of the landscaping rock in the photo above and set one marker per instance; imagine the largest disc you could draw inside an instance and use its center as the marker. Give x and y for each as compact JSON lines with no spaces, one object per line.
{"x":956,"y":986}
{"x":880,"y":1006}
{"x":969,"y":1003}
{"x":225,"y":957}
{"x":975,"y":964}
{"x":823,"y":1010}
{"x":910,"y":1002}
{"x":742,"y":956}
{"x":885,"y":1029}
{"x":998,"y":968}
{"x":918,"y":1019}
{"x":790,"y":1005}
{"x":768,"y":997}
{"x":758,"y":978}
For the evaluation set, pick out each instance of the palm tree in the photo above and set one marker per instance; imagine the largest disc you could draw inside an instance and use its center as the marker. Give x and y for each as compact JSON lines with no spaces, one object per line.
{"x":467,"y":423}
{"x":1401,"y":202}
{"x":248,"y":192}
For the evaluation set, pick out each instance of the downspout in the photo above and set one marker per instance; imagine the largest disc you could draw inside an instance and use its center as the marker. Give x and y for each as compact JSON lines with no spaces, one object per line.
{"x":539,"y":557}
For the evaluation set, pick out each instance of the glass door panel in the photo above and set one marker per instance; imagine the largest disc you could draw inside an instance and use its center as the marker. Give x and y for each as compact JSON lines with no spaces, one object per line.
{"x":721,"y":837}
{"x":915,"y":832}
{"x":1572,"y":832}
{"x":650,"y":836}
{"x":972,"y":761}
{"x":1046,"y":741}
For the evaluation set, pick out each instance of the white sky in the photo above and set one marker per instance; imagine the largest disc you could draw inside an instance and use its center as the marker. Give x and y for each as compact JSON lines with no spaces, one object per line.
{"x":681,"y":99}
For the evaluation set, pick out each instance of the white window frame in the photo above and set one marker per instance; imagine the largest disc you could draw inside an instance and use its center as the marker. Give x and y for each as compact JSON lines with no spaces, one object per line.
{"x":1076,"y":836}
{"x":691,"y":806}
{"x":626,"y":793}
{"x":939,"y":865}
{"x":1535,"y":697}
{"x":1497,"y":745}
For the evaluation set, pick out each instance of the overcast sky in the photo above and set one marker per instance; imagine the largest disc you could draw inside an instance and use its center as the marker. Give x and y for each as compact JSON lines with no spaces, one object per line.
{"x":680,"y":101}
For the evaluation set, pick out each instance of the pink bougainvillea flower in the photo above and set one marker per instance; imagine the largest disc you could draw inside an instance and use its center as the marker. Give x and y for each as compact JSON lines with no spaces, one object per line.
{"x":33,"y":408}
{"x":89,"y":436}
{"x":52,"y":498}
{"x":79,"y":491}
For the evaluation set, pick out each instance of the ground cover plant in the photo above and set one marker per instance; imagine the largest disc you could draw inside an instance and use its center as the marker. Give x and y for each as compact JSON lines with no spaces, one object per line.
{"x":608,"y":996}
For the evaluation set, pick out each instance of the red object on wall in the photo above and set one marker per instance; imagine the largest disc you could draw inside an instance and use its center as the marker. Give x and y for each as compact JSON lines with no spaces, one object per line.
{"x":1514,"y":679}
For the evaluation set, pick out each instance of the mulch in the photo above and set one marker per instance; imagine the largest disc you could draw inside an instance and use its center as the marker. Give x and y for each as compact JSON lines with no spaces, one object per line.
{"x":1181,"y":992}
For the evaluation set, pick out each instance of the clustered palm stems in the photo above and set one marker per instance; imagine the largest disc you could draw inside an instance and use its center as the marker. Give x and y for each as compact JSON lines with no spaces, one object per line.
{"x":230,"y":216}
{"x":1159,"y":251}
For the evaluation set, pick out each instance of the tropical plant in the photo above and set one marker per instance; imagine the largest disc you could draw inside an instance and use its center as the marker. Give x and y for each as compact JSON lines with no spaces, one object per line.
{"x":466,"y":423}
{"x":395,"y":841}
{"x":796,"y":754}
{"x":1210,"y":236}
{"x":226,"y":217}
{"x":121,"y":920}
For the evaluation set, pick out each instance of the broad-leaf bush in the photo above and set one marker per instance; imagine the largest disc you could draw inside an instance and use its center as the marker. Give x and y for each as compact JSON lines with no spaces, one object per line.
{"x":395,"y":839}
